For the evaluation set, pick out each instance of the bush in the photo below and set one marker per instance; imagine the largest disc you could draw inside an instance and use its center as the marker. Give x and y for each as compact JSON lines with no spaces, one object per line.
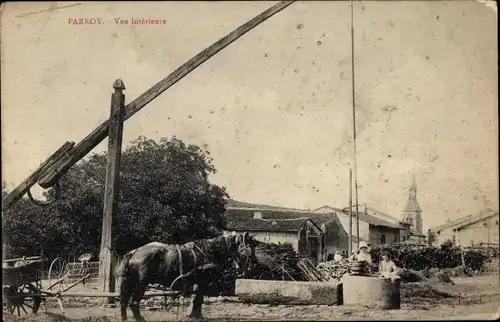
{"x":421,"y":257}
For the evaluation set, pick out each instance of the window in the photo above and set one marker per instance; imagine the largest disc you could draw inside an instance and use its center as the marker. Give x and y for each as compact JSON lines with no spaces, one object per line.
{"x":395,"y":238}
{"x":485,"y":224}
{"x":382,"y":239}
{"x":497,"y":222}
{"x":411,"y":221}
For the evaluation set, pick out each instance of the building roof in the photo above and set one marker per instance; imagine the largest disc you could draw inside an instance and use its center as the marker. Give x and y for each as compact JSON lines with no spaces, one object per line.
{"x":231,"y":203}
{"x":267,"y":225}
{"x":466,"y":220}
{"x":476,"y":219}
{"x":373,"y":220}
{"x":244,"y":213}
{"x":412,"y":205}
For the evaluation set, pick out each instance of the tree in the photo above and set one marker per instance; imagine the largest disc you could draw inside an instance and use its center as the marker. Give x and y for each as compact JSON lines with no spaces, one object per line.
{"x":165,"y":196}
{"x":28,"y":228}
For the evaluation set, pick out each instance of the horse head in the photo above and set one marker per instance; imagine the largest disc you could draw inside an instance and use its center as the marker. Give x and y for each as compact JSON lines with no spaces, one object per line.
{"x":244,"y":255}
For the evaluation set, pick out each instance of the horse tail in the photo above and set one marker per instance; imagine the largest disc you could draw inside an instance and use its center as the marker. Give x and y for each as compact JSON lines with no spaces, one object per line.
{"x":122,"y":267}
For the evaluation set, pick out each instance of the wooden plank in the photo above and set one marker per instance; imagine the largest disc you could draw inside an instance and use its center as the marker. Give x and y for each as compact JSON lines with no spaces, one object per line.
{"x":108,"y":294}
{"x":112,"y":188}
{"x":50,"y":177}
{"x":12,"y":260}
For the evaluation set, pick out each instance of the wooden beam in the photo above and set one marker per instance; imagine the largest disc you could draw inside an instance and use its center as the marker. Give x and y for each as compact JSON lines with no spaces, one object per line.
{"x":107,"y":294}
{"x":23,"y":188}
{"x":111,"y":194}
{"x":50,"y":177}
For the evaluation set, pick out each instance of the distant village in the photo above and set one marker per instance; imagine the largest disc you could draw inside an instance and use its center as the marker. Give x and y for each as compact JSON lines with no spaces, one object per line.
{"x":320,"y":233}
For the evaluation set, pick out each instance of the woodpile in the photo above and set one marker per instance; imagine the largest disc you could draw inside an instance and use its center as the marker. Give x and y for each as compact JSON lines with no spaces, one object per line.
{"x":309,"y":271}
{"x":419,"y":257}
{"x":333,"y":271}
{"x":276,"y":262}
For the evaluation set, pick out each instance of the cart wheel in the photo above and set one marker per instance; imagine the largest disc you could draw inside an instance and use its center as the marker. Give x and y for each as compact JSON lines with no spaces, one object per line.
{"x":58,"y":274}
{"x":22,"y":300}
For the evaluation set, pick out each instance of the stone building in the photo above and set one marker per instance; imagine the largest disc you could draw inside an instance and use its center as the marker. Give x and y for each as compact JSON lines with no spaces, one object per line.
{"x":479,"y":230}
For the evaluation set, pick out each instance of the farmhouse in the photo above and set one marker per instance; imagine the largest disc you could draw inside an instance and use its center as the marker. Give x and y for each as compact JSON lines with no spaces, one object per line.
{"x":478,"y":230}
{"x":303,"y":234}
{"x":332,"y":222}
{"x":372,"y":229}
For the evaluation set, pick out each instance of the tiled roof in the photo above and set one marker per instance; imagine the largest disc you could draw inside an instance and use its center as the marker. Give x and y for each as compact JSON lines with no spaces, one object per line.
{"x":241,"y":213}
{"x":268,"y":225}
{"x":241,"y":204}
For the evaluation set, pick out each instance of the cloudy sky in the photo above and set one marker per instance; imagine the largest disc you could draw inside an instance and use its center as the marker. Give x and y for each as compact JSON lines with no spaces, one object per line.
{"x":274,"y":108}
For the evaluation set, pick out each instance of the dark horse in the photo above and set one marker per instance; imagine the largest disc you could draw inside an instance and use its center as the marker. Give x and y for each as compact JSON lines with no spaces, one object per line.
{"x":180,"y":267}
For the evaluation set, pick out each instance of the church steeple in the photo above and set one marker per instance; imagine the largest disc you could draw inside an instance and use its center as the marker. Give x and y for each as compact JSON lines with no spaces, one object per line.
{"x":413,"y":188}
{"x":412,"y":203}
{"x":412,"y":212}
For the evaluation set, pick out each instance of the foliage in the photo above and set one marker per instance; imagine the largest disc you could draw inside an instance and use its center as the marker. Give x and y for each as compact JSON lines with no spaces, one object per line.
{"x":165,"y":196}
{"x":420,"y":257}
{"x":447,"y":244}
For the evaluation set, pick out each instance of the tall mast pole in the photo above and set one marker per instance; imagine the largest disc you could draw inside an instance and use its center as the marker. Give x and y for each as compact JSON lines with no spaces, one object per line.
{"x":354,"y":122}
{"x":350,"y":213}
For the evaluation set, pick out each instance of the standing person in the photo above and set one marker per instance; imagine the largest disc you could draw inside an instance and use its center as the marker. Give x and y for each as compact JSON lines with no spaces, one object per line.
{"x":337,"y":257}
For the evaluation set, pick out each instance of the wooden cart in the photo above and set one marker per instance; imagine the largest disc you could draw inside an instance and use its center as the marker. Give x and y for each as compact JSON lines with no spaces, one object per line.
{"x":21,"y":284}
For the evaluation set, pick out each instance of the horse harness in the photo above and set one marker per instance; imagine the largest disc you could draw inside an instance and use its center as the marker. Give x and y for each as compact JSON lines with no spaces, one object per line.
{"x":181,"y":269}
{"x":245,"y":247}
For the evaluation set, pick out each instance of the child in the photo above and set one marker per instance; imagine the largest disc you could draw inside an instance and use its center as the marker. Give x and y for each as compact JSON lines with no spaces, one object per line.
{"x":387,"y":268}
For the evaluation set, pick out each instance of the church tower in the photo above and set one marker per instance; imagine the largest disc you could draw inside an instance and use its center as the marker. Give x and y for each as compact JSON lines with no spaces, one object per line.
{"x":412,"y":213}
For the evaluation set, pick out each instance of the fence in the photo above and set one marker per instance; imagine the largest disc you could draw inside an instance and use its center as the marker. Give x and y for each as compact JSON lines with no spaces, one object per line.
{"x":79,"y":270}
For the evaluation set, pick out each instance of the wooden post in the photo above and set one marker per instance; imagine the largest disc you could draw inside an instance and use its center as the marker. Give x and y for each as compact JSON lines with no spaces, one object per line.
{"x":350,"y":213}
{"x":111,"y":194}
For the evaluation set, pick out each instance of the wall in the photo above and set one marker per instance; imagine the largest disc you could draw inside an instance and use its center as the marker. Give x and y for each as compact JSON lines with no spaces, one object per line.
{"x":484,"y":231}
{"x":364,"y":227}
{"x":404,"y":234}
{"x":335,"y":237}
{"x":416,"y":220}
{"x":444,"y":235}
{"x":392,"y":235}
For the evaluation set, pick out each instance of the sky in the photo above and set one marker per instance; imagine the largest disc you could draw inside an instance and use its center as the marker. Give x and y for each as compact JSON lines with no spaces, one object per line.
{"x":274,"y":108}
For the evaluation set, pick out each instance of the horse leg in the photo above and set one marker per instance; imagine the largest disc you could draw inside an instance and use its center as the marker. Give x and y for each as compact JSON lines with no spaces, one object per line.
{"x":125,"y":295}
{"x":194,"y":310}
{"x":136,"y":299}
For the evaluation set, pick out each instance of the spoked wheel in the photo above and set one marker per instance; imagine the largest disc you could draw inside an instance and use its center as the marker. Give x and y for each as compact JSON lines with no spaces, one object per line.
{"x":22,"y":300}
{"x":58,"y":275}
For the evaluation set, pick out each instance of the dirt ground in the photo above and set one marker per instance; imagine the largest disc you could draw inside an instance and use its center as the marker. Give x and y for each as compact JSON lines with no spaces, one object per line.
{"x":470,"y":298}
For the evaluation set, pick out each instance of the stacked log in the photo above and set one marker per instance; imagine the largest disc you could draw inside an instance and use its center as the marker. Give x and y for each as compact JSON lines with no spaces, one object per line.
{"x":333,"y":271}
{"x":419,"y":257}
